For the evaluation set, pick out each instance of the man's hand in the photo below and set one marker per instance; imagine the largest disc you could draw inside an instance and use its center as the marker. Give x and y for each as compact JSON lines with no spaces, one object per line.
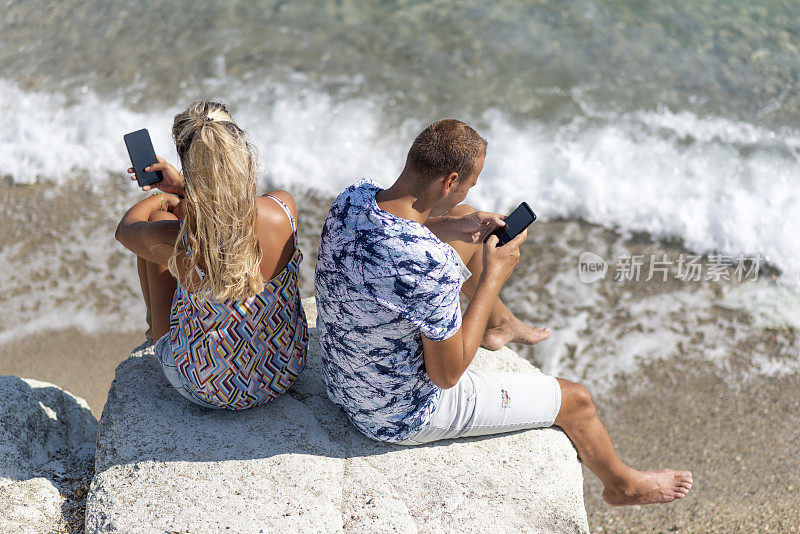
{"x":476,"y":227}
{"x":446,"y":361}
{"x":471,"y":228}
{"x":173,"y":180}
{"x":499,"y":262}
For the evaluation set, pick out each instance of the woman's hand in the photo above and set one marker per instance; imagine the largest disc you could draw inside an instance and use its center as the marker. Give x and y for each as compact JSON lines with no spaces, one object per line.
{"x":173,"y":180}
{"x":178,"y":209}
{"x":171,"y":202}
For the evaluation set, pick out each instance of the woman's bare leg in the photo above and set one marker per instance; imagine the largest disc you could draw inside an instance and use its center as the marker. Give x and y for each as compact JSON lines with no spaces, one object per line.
{"x":160,"y":287}
{"x":623,"y":485}
{"x":141,"y":268}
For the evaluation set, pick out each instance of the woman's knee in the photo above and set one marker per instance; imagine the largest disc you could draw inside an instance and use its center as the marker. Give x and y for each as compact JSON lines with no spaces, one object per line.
{"x":162,"y":216}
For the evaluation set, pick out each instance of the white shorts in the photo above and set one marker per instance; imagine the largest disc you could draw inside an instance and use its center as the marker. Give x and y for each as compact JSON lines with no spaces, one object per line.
{"x":491,"y":402}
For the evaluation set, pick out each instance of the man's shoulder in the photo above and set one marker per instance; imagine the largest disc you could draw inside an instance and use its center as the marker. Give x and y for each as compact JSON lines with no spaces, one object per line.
{"x":349,"y":203}
{"x":382,"y":246}
{"x":357,"y":192}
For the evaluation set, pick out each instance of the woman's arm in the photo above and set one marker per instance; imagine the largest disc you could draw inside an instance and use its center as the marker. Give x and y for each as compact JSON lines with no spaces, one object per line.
{"x":148,"y":234}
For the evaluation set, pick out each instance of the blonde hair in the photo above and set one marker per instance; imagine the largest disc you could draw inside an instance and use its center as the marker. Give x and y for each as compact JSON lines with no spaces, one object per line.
{"x":219,"y":226}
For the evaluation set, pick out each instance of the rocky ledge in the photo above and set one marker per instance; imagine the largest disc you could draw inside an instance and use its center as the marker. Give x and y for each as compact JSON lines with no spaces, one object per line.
{"x":298,"y":465}
{"x":47,"y":442}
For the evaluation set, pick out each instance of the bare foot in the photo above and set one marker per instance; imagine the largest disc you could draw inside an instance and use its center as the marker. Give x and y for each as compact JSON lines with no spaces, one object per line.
{"x":512,"y":329}
{"x":650,"y":487}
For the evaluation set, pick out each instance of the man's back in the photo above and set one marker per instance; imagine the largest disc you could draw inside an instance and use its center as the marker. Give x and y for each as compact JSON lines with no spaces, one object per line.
{"x":381,"y":281}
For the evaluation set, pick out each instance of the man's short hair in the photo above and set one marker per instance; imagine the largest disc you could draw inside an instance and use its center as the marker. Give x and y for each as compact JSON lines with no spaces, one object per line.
{"x":445,"y":146}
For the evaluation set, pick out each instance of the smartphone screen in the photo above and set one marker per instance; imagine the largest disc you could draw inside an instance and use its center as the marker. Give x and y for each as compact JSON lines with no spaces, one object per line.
{"x":142,"y":154}
{"x":519,"y":220}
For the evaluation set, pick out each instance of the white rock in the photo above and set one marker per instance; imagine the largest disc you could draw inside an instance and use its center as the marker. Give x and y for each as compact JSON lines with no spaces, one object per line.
{"x":298,"y":465}
{"x":47,"y":441}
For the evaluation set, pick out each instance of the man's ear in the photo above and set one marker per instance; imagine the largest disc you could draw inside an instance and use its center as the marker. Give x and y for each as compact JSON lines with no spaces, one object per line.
{"x":449,"y":182}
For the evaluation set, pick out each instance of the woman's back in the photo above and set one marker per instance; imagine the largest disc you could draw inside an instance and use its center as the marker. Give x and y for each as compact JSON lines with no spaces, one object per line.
{"x":237,"y":353}
{"x":275,"y":230}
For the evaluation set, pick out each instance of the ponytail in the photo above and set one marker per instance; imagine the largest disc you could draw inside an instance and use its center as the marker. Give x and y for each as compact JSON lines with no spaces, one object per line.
{"x":219,"y":228}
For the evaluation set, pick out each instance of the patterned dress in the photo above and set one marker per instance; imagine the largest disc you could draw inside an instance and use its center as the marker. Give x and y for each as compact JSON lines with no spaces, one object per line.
{"x":237,"y":354}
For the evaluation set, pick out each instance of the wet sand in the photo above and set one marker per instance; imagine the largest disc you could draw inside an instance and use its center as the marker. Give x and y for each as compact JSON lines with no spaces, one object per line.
{"x":81,"y":363}
{"x":741,"y":443}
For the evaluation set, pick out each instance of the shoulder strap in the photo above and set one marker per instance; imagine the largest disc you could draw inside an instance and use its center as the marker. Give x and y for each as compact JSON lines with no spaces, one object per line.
{"x":188,"y":250}
{"x":288,"y":212}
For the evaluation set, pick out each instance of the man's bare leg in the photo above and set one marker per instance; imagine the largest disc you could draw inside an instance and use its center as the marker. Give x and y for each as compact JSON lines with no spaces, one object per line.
{"x":577,"y":416}
{"x":503,"y":326}
{"x":623,"y":485}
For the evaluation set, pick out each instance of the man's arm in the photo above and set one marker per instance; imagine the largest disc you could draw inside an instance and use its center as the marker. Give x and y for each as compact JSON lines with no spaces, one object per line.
{"x":446,"y":361}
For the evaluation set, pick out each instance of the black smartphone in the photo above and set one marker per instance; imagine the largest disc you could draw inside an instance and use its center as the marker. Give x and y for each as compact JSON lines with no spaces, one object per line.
{"x":142,"y":154}
{"x":520,"y":218}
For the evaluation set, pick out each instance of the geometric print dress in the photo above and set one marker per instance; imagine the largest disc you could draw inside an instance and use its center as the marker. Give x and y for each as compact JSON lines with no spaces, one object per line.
{"x":237,"y":354}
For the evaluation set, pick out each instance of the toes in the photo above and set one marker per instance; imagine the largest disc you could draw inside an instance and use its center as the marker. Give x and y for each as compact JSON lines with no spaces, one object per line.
{"x":539,"y":335}
{"x":683,"y":476}
{"x":543,"y":334}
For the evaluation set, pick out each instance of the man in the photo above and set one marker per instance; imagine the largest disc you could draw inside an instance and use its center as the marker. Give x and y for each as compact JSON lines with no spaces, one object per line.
{"x":395,"y":346}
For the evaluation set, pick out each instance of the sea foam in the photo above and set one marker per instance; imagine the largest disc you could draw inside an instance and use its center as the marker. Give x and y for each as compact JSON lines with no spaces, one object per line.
{"x":717,"y":184}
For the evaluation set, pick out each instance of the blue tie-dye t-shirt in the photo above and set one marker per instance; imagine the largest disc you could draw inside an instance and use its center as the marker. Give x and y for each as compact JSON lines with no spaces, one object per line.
{"x":381,"y":281}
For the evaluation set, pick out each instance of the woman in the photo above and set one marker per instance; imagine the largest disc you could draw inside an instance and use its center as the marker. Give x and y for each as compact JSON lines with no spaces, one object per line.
{"x":220,"y":285}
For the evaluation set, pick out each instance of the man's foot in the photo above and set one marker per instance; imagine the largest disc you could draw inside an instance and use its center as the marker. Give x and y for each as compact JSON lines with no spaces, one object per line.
{"x":650,"y":487}
{"x":512,"y":329}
